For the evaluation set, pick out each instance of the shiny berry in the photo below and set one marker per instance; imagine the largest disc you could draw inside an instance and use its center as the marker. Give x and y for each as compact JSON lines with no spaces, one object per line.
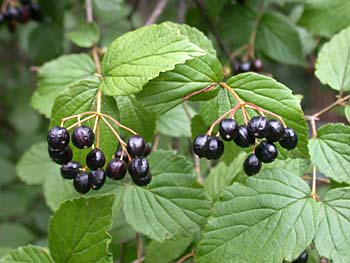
{"x":60,"y":156}
{"x":143,"y":181}
{"x":58,"y":137}
{"x":290,"y":139}
{"x":95,"y":159}
{"x":244,"y":138}
{"x":276,"y":131}
{"x":148,"y":149}
{"x":12,"y":14}
{"x":97,"y":179}
{"x":70,"y":170}
{"x":136,"y":146}
{"x":257,"y":65}
{"x":116,"y":169}
{"x":199,"y":145}
{"x":302,"y":258}
{"x":258,"y":126}
{"x":266,"y":152}
{"x":35,"y":12}
{"x":138,"y":168}
{"x":228,"y":129}
{"x":245,"y":67}
{"x":83,"y":137}
{"x":252,"y":165}
{"x":119,"y":153}
{"x":214,"y":148}
{"x":81,"y":183}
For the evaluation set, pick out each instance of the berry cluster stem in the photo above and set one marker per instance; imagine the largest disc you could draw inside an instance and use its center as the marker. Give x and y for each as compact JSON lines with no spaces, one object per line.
{"x":189,"y":255}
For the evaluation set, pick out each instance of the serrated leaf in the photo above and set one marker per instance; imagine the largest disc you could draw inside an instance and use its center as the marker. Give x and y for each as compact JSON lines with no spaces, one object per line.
{"x":78,"y":230}
{"x":330,"y":151}
{"x":271,"y":95}
{"x":332,"y":238}
{"x":86,"y":35}
{"x":297,"y":166}
{"x":270,"y":217}
{"x":28,"y":254}
{"x":332,"y":67}
{"x":55,"y":76}
{"x":319,"y":18}
{"x":172,"y":205}
{"x":141,"y":55}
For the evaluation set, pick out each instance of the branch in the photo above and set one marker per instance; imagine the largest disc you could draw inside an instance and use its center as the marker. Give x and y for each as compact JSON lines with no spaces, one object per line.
{"x":139,"y":248}
{"x":158,"y":10}
{"x":333,"y":105}
{"x":89,"y":16}
{"x":191,"y":254}
{"x":181,"y":11}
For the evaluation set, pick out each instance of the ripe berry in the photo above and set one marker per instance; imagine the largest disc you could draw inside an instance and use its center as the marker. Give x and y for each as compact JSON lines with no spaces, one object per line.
{"x":199,"y":145}
{"x":118,"y":154}
{"x":228,"y":129}
{"x":252,"y":165}
{"x":244,"y":67}
{"x":12,"y":14}
{"x":138,"y":168}
{"x":97,"y":179}
{"x":58,"y":138}
{"x":136,"y":146}
{"x":257,"y":65}
{"x":35,"y":12}
{"x":116,"y":169}
{"x":143,"y":181}
{"x":214,"y":148}
{"x":244,"y":138}
{"x":290,"y":139}
{"x":302,"y":258}
{"x":70,"y":170}
{"x":148,"y":149}
{"x":276,"y":131}
{"x":258,"y":126}
{"x":266,"y":152}
{"x":95,"y":159}
{"x":60,"y":156}
{"x":25,"y":15}
{"x":81,"y":183}
{"x":83,"y":137}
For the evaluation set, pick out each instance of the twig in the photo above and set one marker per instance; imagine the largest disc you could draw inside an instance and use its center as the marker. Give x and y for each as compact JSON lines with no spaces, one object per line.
{"x":89,"y":16}
{"x":155,"y":142}
{"x":139,"y":247}
{"x":208,"y":88}
{"x":323,"y":180}
{"x":181,"y":11}
{"x":191,"y":254}
{"x":331,"y":106}
{"x":158,"y":10}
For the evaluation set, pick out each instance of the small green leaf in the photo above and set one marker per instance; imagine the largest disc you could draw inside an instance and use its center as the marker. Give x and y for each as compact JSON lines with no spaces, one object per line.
{"x":141,"y":55}
{"x":332,"y":237}
{"x":55,"y":76}
{"x":15,"y":235}
{"x":86,"y":35}
{"x":172,"y":205}
{"x":28,"y":254}
{"x":332,"y":67}
{"x":270,"y":217}
{"x":330,"y":151}
{"x":78,"y":230}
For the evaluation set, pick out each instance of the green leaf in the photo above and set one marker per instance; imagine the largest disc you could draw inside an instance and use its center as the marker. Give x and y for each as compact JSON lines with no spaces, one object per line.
{"x":347,"y":112}
{"x":35,"y":165}
{"x":78,"y":230}
{"x":172,"y":205}
{"x":86,"y":35}
{"x":139,"y":56}
{"x":270,"y":217}
{"x":332,"y":67}
{"x":108,"y":5}
{"x":55,"y":76}
{"x":332,"y":238}
{"x":279,"y":39}
{"x":271,"y":95}
{"x":319,"y":16}
{"x":28,"y":254}
{"x":8,"y":173}
{"x":296,"y":166}
{"x":14,"y":235}
{"x":330,"y":151}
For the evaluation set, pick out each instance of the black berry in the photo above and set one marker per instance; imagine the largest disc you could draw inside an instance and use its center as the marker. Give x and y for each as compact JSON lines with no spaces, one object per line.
{"x":302,"y":258}
{"x":199,"y":145}
{"x":148,"y":149}
{"x":136,"y":146}
{"x":70,"y":170}
{"x":58,"y":137}
{"x":60,"y":156}
{"x":290,"y":139}
{"x":266,"y":152}
{"x":245,"y":67}
{"x":119,"y":153}
{"x":35,"y":12}
{"x":12,"y":14}
{"x":244,"y":138}
{"x":97,"y":179}
{"x":257,"y":65}
{"x":276,"y":131}
{"x":83,"y":137}
{"x":252,"y":165}
{"x":138,"y":168}
{"x":143,"y":181}
{"x":116,"y":169}
{"x":214,"y":148}
{"x":228,"y":129}
{"x":95,"y":159}
{"x":81,"y":183}
{"x":258,"y":126}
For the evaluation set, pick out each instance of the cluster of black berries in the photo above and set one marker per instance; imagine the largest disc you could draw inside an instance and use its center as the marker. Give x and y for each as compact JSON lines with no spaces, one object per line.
{"x":244,"y":136}
{"x":255,"y":65}
{"x":303,"y":257}
{"x":60,"y":152}
{"x":23,"y":14}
